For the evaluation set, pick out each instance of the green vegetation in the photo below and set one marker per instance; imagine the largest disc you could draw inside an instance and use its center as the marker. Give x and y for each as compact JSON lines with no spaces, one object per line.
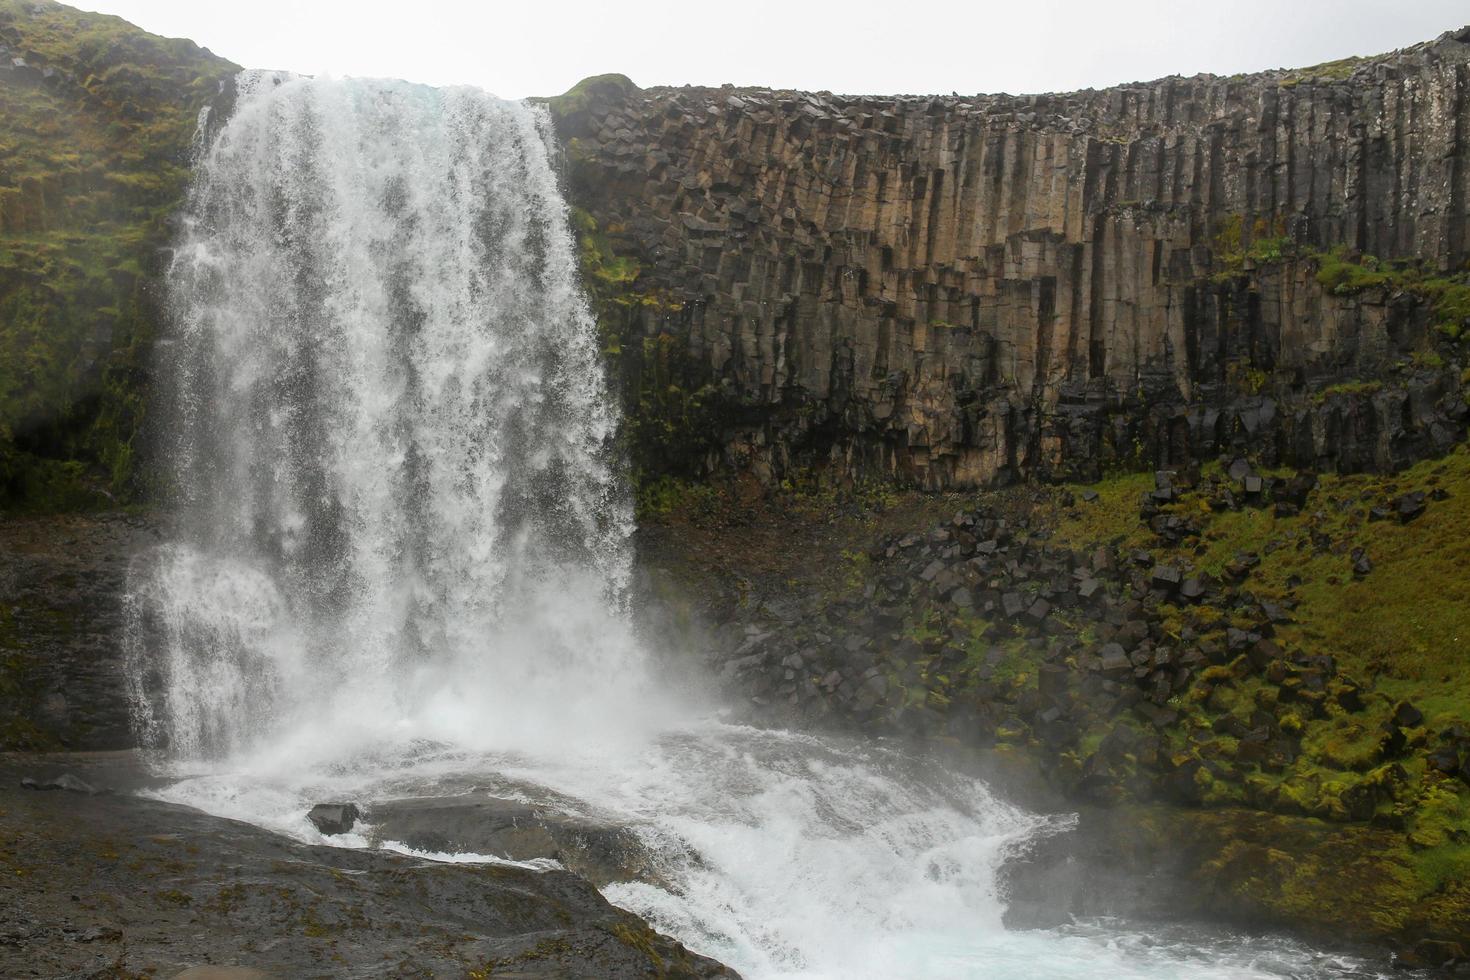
{"x":1398,"y":634}
{"x":672,"y":415}
{"x":1347,"y":389}
{"x":577,"y":98}
{"x":94,"y":144}
{"x":1328,"y":71}
{"x":1343,"y":273}
{"x":1235,"y":251}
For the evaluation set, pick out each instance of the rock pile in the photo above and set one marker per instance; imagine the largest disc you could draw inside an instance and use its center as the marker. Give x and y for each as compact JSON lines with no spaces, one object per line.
{"x":1137,"y":674}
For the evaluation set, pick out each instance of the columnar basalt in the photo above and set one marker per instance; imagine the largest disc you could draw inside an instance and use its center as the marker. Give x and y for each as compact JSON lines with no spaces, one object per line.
{"x":956,"y":291}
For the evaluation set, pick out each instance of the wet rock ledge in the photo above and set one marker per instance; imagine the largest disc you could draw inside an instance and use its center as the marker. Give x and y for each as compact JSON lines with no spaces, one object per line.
{"x":114,"y":885}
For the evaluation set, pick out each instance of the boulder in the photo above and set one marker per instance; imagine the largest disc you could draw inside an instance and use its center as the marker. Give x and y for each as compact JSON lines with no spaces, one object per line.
{"x":1409,"y":506}
{"x":333,"y":818}
{"x":1113,"y":661}
{"x":1405,"y":715}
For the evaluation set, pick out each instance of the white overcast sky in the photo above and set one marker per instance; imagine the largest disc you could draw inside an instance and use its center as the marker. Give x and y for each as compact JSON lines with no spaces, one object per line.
{"x":543,"y":47}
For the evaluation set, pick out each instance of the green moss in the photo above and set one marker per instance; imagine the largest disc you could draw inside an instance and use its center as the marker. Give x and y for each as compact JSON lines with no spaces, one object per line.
{"x":1328,"y":71}
{"x":1399,"y":633}
{"x":662,"y":496}
{"x":1343,"y":273}
{"x":600,"y":262}
{"x":1348,"y":389}
{"x":1345,"y":742}
{"x":92,"y":162}
{"x":1112,"y":518}
{"x":1237,"y":247}
{"x":579,"y":97}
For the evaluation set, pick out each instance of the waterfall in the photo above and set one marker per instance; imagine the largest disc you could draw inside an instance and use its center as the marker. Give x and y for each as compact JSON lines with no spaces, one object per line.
{"x":398,"y":561}
{"x":388,"y":425}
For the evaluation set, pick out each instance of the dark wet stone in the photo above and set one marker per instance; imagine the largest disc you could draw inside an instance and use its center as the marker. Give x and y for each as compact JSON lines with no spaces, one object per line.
{"x":1165,"y":577}
{"x":1393,"y":742}
{"x":1445,"y":760}
{"x":1409,"y":506}
{"x":1430,"y":954}
{"x":333,"y":818}
{"x":185,"y":889}
{"x":1405,"y":715}
{"x":1113,"y":660}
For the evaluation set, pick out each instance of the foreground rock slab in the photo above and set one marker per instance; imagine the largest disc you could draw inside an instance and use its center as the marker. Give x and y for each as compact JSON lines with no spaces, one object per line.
{"x":479,"y":824}
{"x":117,"y":885}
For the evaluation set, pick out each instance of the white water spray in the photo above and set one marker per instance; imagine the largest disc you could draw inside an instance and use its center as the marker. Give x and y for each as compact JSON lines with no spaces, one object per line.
{"x":400,"y":560}
{"x":390,"y":434}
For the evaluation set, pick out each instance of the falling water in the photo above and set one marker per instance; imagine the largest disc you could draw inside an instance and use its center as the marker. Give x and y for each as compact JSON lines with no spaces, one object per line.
{"x":389,"y":432}
{"x":399,"y":562}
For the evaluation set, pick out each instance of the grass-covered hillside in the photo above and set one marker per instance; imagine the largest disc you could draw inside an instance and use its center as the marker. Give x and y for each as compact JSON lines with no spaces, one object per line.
{"x":96,"y":122}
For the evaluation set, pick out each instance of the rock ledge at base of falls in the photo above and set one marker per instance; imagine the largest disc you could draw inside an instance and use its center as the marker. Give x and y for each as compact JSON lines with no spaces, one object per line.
{"x":480,"y":824}
{"x":130,"y":886}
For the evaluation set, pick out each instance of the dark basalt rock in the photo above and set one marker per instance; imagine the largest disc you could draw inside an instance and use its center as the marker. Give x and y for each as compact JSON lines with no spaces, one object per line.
{"x":850,"y":280}
{"x":62,"y":583}
{"x":1445,"y":760}
{"x":482,"y":824}
{"x":1405,"y":715}
{"x":1410,"y":506}
{"x":333,"y":818}
{"x":119,"y":885}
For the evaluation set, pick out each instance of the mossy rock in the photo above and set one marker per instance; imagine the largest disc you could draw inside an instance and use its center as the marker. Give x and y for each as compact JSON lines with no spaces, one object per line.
{"x":571,"y":109}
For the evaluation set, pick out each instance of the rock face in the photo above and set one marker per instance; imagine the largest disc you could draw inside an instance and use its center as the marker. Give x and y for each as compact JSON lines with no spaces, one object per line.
{"x":96,"y":123}
{"x":961,"y":290}
{"x":63,"y":582}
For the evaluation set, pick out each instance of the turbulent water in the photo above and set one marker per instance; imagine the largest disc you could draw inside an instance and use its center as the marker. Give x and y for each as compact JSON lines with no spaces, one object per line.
{"x":400,"y":559}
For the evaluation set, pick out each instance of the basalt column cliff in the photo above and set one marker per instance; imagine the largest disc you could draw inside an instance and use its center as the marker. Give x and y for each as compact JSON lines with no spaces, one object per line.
{"x":961,"y":291}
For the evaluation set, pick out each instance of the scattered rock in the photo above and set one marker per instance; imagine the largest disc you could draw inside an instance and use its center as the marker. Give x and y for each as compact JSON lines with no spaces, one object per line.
{"x":1409,"y":506}
{"x":1405,"y":715}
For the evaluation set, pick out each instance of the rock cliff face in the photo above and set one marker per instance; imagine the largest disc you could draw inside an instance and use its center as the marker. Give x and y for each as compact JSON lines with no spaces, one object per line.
{"x":962,"y":290}
{"x":96,"y":123}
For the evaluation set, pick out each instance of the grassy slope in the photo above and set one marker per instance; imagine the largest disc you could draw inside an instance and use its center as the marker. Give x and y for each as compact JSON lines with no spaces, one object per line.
{"x":1402,"y":632}
{"x":93,"y":159}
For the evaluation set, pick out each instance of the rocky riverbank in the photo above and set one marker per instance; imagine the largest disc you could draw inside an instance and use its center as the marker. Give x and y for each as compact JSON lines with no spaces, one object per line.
{"x":1265,"y":663}
{"x":97,"y":883}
